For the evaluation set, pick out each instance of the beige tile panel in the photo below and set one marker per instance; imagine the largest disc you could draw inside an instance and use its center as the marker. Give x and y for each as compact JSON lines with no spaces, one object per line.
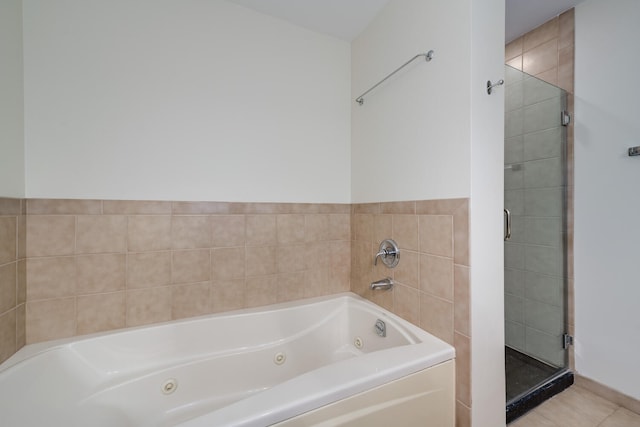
{"x":515,"y":62}
{"x":339,"y":279}
{"x":22,"y":236}
{"x":10,"y":206}
{"x":100,"y":273}
{"x":316,"y":282}
{"x":101,"y":312}
{"x":316,"y":227}
{"x":440,"y":206}
{"x":290,"y":286}
{"x":228,"y":263}
{"x":148,"y":233}
{"x":148,"y":269}
{"x":261,"y":230}
{"x":436,"y":235}
{"x":191,"y":266}
{"x":541,"y":58}
{"x":462,"y":345}
{"x":436,"y":317}
{"x":406,"y":303}
{"x":405,"y":231}
{"x":8,"y":239}
{"x":366,"y":208}
{"x":201,"y":208}
{"x":146,"y":306}
{"x":261,"y":290}
{"x":463,"y":415}
{"x":190,"y":232}
{"x":407,"y":271}
{"x":51,"y":278}
{"x":514,"y":49}
{"x":21,"y":328}
{"x":461,"y":299}
{"x":190,"y":300}
{"x":261,"y":261}
{"x":565,"y":68}
{"x":406,"y":208}
{"x":436,"y":276}
{"x":101,"y":234}
{"x":21,"y":285}
{"x":227,"y":230}
{"x":567,"y":28}
{"x":290,"y":228}
{"x":363,"y":227}
{"x":227,"y":295}
{"x":549,"y":76}
{"x":135,"y":207}
{"x":63,"y":207}
{"x":291,"y":258}
{"x":7,"y":334}
{"x":339,"y":227}
{"x":545,"y":32}
{"x":382,"y":228}
{"x":461,"y":235}
{"x":50,"y":319}
{"x":8,"y":286}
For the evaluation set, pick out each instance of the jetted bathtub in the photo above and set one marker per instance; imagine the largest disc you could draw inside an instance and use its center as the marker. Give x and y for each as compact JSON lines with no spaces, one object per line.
{"x":327,"y":361}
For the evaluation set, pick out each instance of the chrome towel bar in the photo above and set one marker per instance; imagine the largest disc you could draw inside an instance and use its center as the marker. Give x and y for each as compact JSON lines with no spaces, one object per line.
{"x":427,"y":57}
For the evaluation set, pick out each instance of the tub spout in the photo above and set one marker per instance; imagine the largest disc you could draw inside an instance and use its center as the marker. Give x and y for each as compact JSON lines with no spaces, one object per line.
{"x":383,"y":284}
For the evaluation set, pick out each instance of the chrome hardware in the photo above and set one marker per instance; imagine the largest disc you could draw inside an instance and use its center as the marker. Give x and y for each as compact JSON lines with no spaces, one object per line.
{"x":389,"y":252}
{"x":380,"y":328}
{"x":565,"y":118}
{"x":427,"y":57}
{"x":490,"y":85}
{"x":507,"y":224}
{"x":382,"y":285}
{"x":634,"y":151}
{"x":567,"y":340}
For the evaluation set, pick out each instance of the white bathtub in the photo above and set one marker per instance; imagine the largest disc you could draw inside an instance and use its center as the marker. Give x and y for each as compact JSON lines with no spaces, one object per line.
{"x":254,"y":367}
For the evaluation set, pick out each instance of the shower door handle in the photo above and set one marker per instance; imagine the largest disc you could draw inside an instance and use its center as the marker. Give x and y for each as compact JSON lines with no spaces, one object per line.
{"x":507,"y":224}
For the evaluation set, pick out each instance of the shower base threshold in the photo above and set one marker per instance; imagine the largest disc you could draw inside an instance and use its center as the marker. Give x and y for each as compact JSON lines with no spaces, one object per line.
{"x":558,"y":380}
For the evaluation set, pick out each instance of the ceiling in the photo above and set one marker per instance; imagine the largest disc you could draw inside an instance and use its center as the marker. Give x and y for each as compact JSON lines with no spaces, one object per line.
{"x":345,"y":19}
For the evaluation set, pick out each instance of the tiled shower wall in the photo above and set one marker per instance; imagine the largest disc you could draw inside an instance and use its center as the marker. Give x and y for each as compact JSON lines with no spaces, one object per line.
{"x":547,"y":53}
{"x":12,"y":276}
{"x":432,"y":279}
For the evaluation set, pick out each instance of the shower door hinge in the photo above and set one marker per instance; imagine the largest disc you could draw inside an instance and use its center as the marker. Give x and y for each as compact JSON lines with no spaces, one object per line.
{"x":565,"y":118}
{"x":567,"y":340}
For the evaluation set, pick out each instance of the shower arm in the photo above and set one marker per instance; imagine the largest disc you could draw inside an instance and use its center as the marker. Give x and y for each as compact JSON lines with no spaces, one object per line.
{"x":427,"y":57}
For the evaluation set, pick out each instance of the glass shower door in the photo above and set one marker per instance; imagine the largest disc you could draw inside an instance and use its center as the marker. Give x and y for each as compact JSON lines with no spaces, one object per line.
{"x":535,"y":254}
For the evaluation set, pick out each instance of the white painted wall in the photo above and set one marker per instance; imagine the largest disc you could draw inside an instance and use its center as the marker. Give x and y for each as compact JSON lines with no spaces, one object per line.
{"x":410,"y":139}
{"x":182,"y":100}
{"x":433,"y":132}
{"x":607,"y":206}
{"x":11,"y":100}
{"x":486,"y":220}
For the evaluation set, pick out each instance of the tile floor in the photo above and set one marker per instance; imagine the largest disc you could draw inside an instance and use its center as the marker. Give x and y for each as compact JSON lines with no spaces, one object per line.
{"x":578,"y":407}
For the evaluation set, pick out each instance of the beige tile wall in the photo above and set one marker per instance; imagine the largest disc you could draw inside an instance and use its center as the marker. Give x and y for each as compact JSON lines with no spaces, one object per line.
{"x":432,"y":279}
{"x":83,"y":266}
{"x":12,"y":276}
{"x":94,"y":265}
{"x":547,"y":53}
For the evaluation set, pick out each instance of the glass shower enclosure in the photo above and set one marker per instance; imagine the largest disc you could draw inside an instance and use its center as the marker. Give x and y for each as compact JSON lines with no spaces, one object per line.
{"x":535,"y":184}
